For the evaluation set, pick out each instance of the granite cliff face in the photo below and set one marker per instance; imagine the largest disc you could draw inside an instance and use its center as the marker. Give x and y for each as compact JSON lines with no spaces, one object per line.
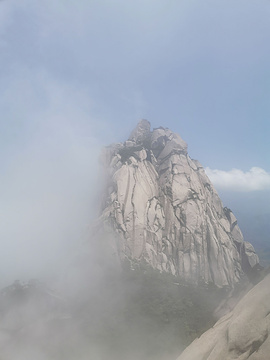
{"x":164,"y":210}
{"x":241,"y":334}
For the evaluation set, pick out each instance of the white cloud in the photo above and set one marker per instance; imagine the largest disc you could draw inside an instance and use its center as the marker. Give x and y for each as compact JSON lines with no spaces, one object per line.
{"x":237,"y":180}
{"x":48,"y":181}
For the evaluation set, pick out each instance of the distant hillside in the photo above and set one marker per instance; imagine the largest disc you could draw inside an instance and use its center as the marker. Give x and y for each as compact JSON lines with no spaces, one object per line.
{"x":253,"y":214}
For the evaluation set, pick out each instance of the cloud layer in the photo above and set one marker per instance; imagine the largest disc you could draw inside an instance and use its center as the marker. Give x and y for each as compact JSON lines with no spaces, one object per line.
{"x":237,"y":180}
{"x":49,"y":169}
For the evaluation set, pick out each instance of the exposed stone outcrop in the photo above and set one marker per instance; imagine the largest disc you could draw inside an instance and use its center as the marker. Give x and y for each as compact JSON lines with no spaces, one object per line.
{"x":241,"y":334}
{"x":165,"y":210}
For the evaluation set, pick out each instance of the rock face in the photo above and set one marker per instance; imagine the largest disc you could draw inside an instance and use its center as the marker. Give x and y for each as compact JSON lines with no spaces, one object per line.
{"x":165,"y":211}
{"x":241,"y":334}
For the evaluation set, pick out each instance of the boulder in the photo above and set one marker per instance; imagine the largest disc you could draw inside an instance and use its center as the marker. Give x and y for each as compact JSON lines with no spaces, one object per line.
{"x":241,"y":334}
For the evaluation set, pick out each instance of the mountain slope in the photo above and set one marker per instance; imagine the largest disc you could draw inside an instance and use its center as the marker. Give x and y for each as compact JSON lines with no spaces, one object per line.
{"x":241,"y":334}
{"x":164,"y":210}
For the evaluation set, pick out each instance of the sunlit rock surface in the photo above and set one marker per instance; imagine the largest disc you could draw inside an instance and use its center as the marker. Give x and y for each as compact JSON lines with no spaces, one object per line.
{"x":241,"y":334}
{"x":165,"y":211}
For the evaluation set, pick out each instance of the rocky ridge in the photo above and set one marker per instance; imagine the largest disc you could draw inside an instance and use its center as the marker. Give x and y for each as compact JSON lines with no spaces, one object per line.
{"x":241,"y":334}
{"x":163,"y":209}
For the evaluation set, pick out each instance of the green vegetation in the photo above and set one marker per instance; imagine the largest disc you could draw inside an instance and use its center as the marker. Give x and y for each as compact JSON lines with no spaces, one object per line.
{"x":146,"y":314}
{"x":134,"y":314}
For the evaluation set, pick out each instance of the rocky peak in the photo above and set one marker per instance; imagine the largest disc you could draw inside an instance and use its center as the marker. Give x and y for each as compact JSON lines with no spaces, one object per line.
{"x":141,"y":132}
{"x":164,"y":142}
{"x":164,"y":210}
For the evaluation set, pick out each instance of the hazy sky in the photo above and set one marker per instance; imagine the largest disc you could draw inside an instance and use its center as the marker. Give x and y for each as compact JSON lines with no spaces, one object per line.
{"x":76,"y":75}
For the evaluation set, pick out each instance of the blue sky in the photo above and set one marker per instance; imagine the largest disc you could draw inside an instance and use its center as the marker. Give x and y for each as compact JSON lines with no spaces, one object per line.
{"x":77,"y":75}
{"x":199,"y":68}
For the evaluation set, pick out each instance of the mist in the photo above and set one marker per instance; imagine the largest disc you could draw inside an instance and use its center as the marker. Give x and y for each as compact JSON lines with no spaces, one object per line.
{"x":48,"y":188}
{"x":75,"y":77}
{"x":64,"y":293}
{"x":74,"y":300}
{"x":50,"y":267}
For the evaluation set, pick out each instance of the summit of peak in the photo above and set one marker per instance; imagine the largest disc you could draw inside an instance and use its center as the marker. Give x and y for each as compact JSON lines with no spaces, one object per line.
{"x":141,"y":131}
